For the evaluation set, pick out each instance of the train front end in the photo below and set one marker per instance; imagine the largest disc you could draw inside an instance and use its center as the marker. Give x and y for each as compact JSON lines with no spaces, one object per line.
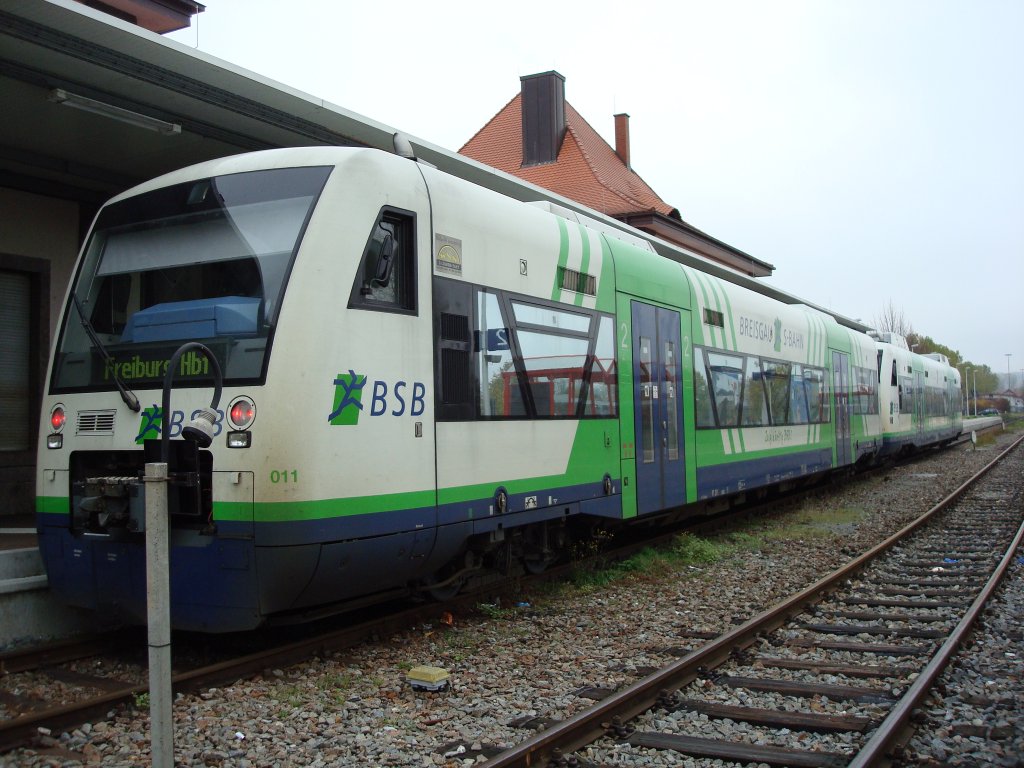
{"x":188,"y":258}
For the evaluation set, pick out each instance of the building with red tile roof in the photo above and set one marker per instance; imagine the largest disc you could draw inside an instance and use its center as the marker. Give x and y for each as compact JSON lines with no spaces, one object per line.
{"x":160,"y":16}
{"x":539,"y":137}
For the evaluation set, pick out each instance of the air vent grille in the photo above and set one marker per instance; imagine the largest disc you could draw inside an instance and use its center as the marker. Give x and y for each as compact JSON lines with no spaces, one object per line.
{"x":455,"y":386}
{"x":714,"y":317}
{"x":95,"y":423}
{"x":579,"y":282}
{"x":454,"y":327}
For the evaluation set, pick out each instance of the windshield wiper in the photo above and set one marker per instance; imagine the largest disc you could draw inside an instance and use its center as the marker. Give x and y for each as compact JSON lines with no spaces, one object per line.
{"x":126,"y":394}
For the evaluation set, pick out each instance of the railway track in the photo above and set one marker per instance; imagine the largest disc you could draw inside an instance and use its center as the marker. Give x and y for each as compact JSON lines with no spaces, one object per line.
{"x":828,"y":677}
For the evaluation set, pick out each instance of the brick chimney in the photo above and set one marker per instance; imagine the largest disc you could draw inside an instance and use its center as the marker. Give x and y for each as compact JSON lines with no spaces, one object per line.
{"x":622,"y":137}
{"x":543,"y":111}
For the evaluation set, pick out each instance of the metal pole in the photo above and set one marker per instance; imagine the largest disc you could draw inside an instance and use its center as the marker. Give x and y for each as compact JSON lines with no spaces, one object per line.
{"x":967,"y":391}
{"x":158,"y":591}
{"x":974,"y":375}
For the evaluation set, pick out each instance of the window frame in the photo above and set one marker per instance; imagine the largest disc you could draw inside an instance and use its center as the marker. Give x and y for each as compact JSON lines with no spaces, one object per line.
{"x":465,"y":298}
{"x":406,"y":261}
{"x":702,"y":362}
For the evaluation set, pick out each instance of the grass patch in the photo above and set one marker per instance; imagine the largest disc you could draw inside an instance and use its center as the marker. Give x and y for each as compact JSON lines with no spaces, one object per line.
{"x":652,"y":565}
{"x":1013,"y":422}
{"x":292,"y":696}
{"x":745,"y":541}
{"x":495,"y":611}
{"x":338,"y":681}
{"x":692,"y":550}
{"x":813,"y":524}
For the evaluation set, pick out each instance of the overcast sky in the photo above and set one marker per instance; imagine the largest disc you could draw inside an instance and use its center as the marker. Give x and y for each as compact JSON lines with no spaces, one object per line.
{"x":870,"y":150}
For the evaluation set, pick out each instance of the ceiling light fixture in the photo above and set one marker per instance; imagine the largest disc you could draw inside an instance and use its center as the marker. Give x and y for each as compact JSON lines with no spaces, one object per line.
{"x":60,"y":96}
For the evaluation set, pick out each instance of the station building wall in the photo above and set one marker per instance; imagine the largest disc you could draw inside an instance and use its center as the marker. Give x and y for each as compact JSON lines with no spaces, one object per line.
{"x":39,"y":239}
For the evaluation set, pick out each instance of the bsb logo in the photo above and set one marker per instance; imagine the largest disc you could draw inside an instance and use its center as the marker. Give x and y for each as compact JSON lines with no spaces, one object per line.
{"x":398,"y":399}
{"x":153,"y":419}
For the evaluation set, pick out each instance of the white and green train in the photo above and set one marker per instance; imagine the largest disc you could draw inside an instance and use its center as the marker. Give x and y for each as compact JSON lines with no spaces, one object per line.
{"x":423,"y":380}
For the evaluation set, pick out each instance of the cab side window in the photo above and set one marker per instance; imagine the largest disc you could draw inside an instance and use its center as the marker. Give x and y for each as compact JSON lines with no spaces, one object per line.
{"x":386,"y":277}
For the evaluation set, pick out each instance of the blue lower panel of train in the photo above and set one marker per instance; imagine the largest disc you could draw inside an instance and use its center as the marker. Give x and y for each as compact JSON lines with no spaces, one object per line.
{"x":237,"y":577}
{"x":894,"y":443}
{"x":213,"y":578}
{"x":724,"y":479}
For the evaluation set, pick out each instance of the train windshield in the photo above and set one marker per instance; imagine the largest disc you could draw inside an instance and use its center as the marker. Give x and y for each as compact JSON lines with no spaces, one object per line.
{"x":202,"y":261}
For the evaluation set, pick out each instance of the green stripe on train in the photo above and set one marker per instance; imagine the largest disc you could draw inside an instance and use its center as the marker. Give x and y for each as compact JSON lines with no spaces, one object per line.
{"x":53,"y":505}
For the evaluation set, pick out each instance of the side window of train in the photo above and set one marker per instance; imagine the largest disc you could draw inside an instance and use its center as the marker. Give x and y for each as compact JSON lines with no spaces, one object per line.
{"x":554,"y":344}
{"x":705,"y":414}
{"x":385,"y":279}
{"x":865,"y":397}
{"x":501,"y":392}
{"x":499,"y":356}
{"x":755,"y":407}
{"x":816,"y":391}
{"x":602,"y":397}
{"x":726,"y":373}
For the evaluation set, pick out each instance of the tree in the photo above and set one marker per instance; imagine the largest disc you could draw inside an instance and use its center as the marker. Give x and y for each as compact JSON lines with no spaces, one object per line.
{"x":981,"y":378}
{"x":893,"y":320}
{"x":923,"y":345}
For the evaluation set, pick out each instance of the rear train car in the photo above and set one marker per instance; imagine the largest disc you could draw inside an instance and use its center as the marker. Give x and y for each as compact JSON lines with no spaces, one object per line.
{"x":423,"y":381}
{"x":919,"y":397}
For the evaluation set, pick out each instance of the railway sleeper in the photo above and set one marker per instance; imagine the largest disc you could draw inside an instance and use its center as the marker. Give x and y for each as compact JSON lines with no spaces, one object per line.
{"x":737,"y":752}
{"x":864,"y":695}
{"x":873,"y":629}
{"x":771,"y":718}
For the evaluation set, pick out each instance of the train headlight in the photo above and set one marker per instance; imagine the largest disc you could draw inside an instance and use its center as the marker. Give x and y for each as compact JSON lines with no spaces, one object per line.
{"x":239,"y":439}
{"x":242,"y":412}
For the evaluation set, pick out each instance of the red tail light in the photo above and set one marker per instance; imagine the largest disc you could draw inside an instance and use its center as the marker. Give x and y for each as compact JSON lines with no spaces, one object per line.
{"x":242,"y":413}
{"x":57,"y":418}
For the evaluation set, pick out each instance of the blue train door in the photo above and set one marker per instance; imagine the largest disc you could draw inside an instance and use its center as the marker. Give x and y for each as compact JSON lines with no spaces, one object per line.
{"x":841,"y":390}
{"x":658,"y":411}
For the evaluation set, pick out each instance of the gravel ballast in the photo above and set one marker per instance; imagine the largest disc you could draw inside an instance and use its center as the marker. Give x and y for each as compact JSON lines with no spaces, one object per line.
{"x":513,"y":666}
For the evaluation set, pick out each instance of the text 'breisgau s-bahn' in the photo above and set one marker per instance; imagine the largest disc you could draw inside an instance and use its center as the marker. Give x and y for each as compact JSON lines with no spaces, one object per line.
{"x":422,"y":378}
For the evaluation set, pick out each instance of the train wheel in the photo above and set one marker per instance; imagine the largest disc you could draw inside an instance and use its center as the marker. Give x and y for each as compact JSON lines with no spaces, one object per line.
{"x":450,"y":580}
{"x":446,"y":591}
{"x":535,"y":567}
